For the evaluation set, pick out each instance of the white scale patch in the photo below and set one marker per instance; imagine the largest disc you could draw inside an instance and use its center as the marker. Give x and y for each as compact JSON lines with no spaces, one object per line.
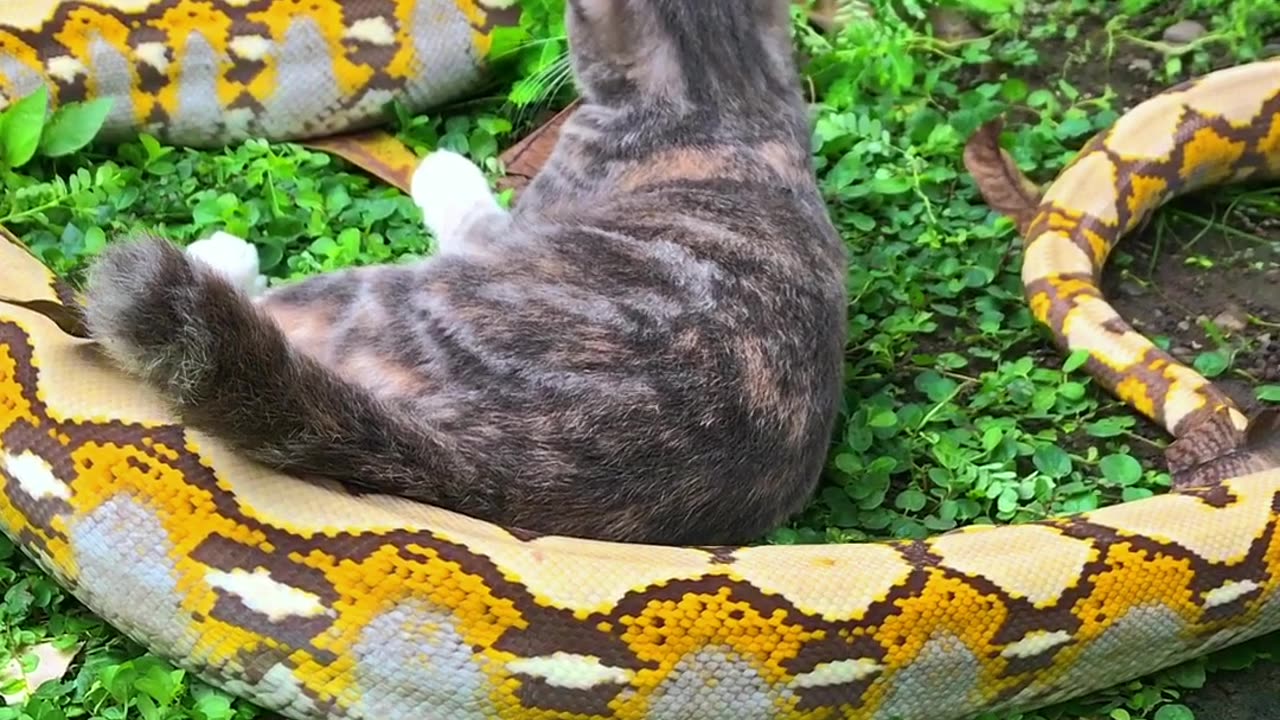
{"x":262,"y":593}
{"x":374,"y":30}
{"x":838,"y":672}
{"x":1229,"y":592}
{"x":1217,"y":534}
{"x":1185,"y":395}
{"x":250,"y":47}
{"x":1036,"y":643}
{"x":570,"y":670}
{"x":65,"y":68}
{"x":155,"y":54}
{"x":1088,"y":186}
{"x":1054,"y":254}
{"x":1119,"y":351}
{"x":35,"y":476}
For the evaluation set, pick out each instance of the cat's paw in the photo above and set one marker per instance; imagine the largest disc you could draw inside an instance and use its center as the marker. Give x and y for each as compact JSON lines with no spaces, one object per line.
{"x":136,"y":301}
{"x":450,"y":189}
{"x":232,"y":257}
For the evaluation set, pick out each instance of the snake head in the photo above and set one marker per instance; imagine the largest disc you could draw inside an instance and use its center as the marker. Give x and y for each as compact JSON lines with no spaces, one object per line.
{"x":1216,"y":450}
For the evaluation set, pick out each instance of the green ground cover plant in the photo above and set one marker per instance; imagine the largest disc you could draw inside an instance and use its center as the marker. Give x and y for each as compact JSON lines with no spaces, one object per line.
{"x":958,"y":408}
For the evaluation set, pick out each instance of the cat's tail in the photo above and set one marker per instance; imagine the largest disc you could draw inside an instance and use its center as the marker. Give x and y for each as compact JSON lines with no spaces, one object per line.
{"x":229,"y":371}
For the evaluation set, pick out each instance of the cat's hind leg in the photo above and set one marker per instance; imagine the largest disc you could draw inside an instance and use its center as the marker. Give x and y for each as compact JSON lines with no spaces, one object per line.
{"x":458,"y":207}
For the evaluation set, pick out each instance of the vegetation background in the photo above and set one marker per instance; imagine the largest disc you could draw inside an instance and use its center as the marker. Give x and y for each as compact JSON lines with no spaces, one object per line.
{"x":959,"y":410}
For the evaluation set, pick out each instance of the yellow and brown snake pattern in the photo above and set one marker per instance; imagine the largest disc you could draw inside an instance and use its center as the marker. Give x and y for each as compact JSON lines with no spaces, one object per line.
{"x":319,"y":604}
{"x":206,"y":72}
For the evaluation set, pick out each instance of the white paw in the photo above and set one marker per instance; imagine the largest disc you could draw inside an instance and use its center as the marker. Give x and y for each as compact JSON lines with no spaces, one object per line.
{"x":450,"y":189}
{"x":234,"y":258}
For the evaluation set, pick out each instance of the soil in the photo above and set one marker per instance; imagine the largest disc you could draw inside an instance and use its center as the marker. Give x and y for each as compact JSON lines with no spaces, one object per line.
{"x":1148,"y":280}
{"x":1241,"y":292}
{"x":1244,"y":695}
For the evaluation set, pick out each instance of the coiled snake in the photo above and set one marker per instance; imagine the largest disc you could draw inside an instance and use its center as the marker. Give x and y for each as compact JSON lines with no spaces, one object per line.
{"x":317,"y":604}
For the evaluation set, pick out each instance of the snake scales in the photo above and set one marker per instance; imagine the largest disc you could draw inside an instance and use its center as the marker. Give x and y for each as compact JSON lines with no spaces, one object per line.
{"x":318,"y":604}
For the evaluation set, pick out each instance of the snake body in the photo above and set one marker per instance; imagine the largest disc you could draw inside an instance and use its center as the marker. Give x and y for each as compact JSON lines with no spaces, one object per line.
{"x":319,"y":604}
{"x":210,"y":72}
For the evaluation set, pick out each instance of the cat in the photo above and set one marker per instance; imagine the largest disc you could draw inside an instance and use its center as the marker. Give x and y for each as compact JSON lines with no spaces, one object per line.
{"x":647,"y":348}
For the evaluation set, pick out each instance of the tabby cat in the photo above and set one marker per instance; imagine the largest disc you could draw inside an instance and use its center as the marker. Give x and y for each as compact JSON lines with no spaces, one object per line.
{"x":648,"y":348}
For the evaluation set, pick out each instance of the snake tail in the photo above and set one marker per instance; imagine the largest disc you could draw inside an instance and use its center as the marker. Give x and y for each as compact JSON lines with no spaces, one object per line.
{"x":1223,"y":127}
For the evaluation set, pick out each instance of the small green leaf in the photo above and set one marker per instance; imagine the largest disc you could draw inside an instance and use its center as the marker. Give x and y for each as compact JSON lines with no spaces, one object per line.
{"x":890,"y":185}
{"x":935,"y":386}
{"x":1121,"y":469}
{"x":1072,"y":390}
{"x":160,"y":683}
{"x":23,"y":124}
{"x":1175,"y":712}
{"x":1212,"y":364}
{"x":1109,"y":427}
{"x":1008,"y":500}
{"x":207,"y":212}
{"x":1269,"y":393}
{"x":1189,"y":675}
{"x":911,"y":500}
{"x":882,"y":418}
{"x":73,"y":126}
{"x":990,"y":7}
{"x":1075,"y":360}
{"x":1014,"y":90}
{"x":1074,"y":127}
{"x":213,"y":706}
{"x":95,"y":239}
{"x":1052,"y":461}
{"x":1131,"y":494}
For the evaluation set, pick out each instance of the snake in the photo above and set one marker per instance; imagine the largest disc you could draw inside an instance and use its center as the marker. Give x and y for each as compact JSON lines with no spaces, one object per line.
{"x":315,"y":603}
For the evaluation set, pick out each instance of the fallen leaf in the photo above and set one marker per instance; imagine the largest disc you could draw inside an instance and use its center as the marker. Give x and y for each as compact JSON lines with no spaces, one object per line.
{"x":524,"y":159}
{"x":26,"y":282}
{"x":1003,"y":186}
{"x":831,"y":16}
{"x":51,"y":664}
{"x":376,"y":151}
{"x":951,"y":25}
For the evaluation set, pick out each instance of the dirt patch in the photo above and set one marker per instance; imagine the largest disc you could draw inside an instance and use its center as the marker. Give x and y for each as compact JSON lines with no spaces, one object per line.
{"x":1185,"y":280}
{"x":1244,"y":695}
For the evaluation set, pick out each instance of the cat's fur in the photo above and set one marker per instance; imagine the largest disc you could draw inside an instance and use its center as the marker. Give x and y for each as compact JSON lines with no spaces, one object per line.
{"x":648,"y":348}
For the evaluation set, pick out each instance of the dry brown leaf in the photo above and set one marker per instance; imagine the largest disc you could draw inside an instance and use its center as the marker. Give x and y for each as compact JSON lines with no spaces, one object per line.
{"x":57,"y":301}
{"x":382,"y":155}
{"x":390,"y":160}
{"x":831,"y":16}
{"x":377,"y":152}
{"x":524,"y":159}
{"x":951,"y":25}
{"x":52,"y":664}
{"x":1003,"y":186}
